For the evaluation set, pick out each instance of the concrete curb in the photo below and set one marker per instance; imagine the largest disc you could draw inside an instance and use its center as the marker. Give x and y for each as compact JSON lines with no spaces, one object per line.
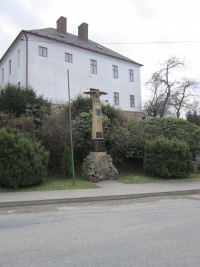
{"x":96,"y":198}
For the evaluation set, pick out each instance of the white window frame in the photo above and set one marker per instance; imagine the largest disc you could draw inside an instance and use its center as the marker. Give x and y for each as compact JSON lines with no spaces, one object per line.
{"x":2,"y":77}
{"x":93,"y":66}
{"x":68,"y":57}
{"x":131,"y":75}
{"x":132,"y":101}
{"x":9,"y":67}
{"x":115,"y":71}
{"x":43,"y":51}
{"x":116,"y":98}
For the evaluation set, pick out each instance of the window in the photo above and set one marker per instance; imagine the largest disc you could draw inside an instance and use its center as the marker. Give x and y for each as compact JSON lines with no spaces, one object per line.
{"x":68,"y":57}
{"x":132,"y":101}
{"x":116,"y":98}
{"x":42,"y":51}
{"x":131,"y":77}
{"x":9,"y":67}
{"x":18,"y":57}
{"x":2,"y":78}
{"x":115,"y":71}
{"x":93,"y":66}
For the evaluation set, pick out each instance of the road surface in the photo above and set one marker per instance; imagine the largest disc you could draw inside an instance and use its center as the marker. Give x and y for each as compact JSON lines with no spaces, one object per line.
{"x":150,"y":232}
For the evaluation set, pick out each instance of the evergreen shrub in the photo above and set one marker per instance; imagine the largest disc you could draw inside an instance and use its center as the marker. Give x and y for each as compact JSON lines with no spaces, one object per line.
{"x":23,"y":161}
{"x":66,"y":165}
{"x":18,"y":100}
{"x":167,"y":158}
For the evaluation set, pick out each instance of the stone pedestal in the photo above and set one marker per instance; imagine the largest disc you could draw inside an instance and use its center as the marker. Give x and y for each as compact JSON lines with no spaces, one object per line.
{"x":99,"y":167}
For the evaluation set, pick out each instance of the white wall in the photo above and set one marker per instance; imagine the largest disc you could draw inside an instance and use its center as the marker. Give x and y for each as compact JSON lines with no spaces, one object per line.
{"x":48,"y":75}
{"x":18,"y":71}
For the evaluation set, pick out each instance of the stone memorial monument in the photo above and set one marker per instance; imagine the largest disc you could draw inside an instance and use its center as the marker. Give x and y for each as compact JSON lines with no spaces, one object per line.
{"x":98,"y":164}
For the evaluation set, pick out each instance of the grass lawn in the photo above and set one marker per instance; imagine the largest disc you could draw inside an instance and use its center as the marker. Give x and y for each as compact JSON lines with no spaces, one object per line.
{"x":58,"y":182}
{"x":139,"y":178}
{"x":55,"y":182}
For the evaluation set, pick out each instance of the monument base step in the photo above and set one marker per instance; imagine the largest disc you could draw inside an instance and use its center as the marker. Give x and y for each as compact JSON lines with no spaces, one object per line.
{"x":99,"y":167}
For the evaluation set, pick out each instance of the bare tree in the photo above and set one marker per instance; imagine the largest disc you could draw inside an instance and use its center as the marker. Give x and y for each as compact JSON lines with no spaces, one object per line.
{"x":183,"y":93}
{"x":167,"y":92}
{"x":153,"y":106}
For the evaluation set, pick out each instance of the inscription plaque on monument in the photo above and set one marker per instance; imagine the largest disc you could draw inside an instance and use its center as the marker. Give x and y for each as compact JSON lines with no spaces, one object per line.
{"x":98,"y":134}
{"x":98,"y":112}
{"x":98,"y":146}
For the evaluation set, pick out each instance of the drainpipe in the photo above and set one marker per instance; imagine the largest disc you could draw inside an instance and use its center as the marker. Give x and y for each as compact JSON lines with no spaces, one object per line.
{"x":26,"y":59}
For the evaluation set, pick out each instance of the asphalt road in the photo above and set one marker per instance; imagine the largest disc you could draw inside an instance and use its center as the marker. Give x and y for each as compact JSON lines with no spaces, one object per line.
{"x":151,"y":232}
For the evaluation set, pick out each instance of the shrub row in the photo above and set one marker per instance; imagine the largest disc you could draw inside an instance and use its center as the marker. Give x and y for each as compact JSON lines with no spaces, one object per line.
{"x":125,"y":137}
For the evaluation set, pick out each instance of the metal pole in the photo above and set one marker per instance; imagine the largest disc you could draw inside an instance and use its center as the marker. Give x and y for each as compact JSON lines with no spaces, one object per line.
{"x":70,"y":126}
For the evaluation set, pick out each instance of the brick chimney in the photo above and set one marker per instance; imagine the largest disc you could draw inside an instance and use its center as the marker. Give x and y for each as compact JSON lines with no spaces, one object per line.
{"x":83,"y":32}
{"x":62,"y":25}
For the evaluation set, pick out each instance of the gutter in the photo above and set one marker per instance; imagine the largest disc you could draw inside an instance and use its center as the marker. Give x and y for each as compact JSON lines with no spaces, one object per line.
{"x":26,"y":58}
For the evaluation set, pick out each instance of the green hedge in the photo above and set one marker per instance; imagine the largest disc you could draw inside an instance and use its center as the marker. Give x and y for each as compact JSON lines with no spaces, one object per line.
{"x":148,"y":130}
{"x":23,"y":162}
{"x":167,"y":158}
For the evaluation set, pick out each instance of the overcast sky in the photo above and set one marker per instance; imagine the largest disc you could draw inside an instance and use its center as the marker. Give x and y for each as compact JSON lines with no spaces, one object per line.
{"x":127,"y":21}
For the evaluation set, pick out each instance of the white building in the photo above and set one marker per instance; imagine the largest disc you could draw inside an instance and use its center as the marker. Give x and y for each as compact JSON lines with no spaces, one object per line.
{"x":40,"y":58}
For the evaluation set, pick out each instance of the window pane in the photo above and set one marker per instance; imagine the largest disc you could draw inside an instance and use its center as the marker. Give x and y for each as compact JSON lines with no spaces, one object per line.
{"x":131,"y":77}
{"x":68,"y":57}
{"x":132,"y":101}
{"x":9,"y":66}
{"x":116,"y":98}
{"x":44,"y":52}
{"x":115,"y":71}
{"x":2,"y":75}
{"x":93,"y":66}
{"x":40,"y":51}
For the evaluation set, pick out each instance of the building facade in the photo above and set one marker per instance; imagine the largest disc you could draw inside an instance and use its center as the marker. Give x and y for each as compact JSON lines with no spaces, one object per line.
{"x":40,"y":58}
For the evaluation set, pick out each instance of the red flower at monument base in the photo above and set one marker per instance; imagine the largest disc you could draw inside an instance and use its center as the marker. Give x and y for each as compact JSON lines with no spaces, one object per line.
{"x":94,"y":180}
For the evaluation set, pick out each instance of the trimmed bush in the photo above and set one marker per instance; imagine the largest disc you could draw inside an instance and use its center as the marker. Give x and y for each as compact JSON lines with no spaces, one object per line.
{"x":23,"y":162}
{"x":167,"y":158}
{"x":66,"y":165}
